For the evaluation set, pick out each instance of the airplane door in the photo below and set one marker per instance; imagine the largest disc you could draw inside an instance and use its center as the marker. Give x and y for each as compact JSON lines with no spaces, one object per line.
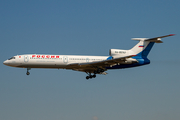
{"x":65,"y":59}
{"x":26,"y":58}
{"x":87,"y":59}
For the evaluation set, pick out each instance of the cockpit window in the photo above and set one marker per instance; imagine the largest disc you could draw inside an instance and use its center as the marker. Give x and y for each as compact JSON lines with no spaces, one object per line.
{"x":11,"y":58}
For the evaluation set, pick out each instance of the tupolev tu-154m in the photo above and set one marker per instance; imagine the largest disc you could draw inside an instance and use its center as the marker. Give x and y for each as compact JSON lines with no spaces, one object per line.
{"x":92,"y":65}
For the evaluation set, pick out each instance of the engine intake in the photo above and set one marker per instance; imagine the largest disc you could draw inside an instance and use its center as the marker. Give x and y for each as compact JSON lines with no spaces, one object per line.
{"x":118,"y":52}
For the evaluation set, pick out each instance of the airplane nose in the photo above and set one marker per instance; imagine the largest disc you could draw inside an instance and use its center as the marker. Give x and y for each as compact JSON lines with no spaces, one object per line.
{"x":5,"y":62}
{"x":9,"y":63}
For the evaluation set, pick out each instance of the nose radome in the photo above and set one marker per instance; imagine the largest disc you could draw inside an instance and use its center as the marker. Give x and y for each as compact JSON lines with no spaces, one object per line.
{"x":5,"y":62}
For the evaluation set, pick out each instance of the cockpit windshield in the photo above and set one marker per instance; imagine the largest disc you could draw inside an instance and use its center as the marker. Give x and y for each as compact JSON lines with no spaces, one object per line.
{"x":11,"y":58}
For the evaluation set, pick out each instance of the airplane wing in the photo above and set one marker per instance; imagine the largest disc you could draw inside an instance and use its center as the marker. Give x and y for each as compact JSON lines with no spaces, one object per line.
{"x":90,"y":67}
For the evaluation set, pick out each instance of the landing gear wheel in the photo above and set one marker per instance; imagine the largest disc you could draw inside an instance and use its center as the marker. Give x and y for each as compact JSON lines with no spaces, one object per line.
{"x":28,"y":73}
{"x":90,"y":76}
{"x":94,"y":76}
{"x":87,"y":77}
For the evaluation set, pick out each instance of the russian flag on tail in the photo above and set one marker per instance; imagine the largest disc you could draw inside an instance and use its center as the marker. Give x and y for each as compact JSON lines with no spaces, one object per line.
{"x":141,"y":45}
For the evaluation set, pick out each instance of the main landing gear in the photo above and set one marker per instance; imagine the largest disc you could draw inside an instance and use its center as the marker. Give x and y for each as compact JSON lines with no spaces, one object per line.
{"x":90,"y":76}
{"x":28,"y":73}
{"x":98,"y":71}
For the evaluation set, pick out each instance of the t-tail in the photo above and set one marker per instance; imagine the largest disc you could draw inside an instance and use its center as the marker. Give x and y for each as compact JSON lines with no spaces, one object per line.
{"x":142,"y":49}
{"x":139,"y":52}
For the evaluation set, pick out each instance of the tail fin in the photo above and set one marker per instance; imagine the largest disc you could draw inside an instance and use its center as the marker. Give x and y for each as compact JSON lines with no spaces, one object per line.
{"x":144,"y":46}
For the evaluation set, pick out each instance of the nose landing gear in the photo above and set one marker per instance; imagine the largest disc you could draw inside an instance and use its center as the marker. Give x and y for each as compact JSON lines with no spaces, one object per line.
{"x":28,"y":73}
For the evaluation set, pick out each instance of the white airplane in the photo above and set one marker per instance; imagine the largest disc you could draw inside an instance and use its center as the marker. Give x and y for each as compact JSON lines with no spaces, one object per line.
{"x":92,"y":65}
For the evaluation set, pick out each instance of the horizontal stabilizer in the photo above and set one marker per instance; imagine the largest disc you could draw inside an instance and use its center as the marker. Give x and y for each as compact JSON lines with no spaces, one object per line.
{"x":156,"y":39}
{"x":140,"y":39}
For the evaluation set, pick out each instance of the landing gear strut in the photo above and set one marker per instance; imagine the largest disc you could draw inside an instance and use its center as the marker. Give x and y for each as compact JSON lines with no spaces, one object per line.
{"x":90,"y":76}
{"x":28,"y":73}
{"x":98,"y":71}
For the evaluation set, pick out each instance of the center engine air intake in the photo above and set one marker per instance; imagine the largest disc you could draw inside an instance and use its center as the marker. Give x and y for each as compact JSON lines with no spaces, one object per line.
{"x":118,"y":52}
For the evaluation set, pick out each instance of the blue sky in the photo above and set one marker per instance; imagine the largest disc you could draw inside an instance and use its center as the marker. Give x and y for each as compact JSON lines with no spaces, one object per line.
{"x":91,"y":27}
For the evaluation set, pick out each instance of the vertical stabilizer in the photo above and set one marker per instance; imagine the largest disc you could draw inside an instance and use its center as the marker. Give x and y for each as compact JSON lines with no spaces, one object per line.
{"x":142,"y":48}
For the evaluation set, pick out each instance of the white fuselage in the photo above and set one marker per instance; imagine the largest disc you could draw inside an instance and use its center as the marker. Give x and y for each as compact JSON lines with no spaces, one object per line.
{"x":49,"y":61}
{"x":117,"y":59}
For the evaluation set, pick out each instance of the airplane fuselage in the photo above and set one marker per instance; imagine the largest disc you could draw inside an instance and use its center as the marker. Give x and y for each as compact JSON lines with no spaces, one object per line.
{"x":117,"y":59}
{"x":49,"y":61}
